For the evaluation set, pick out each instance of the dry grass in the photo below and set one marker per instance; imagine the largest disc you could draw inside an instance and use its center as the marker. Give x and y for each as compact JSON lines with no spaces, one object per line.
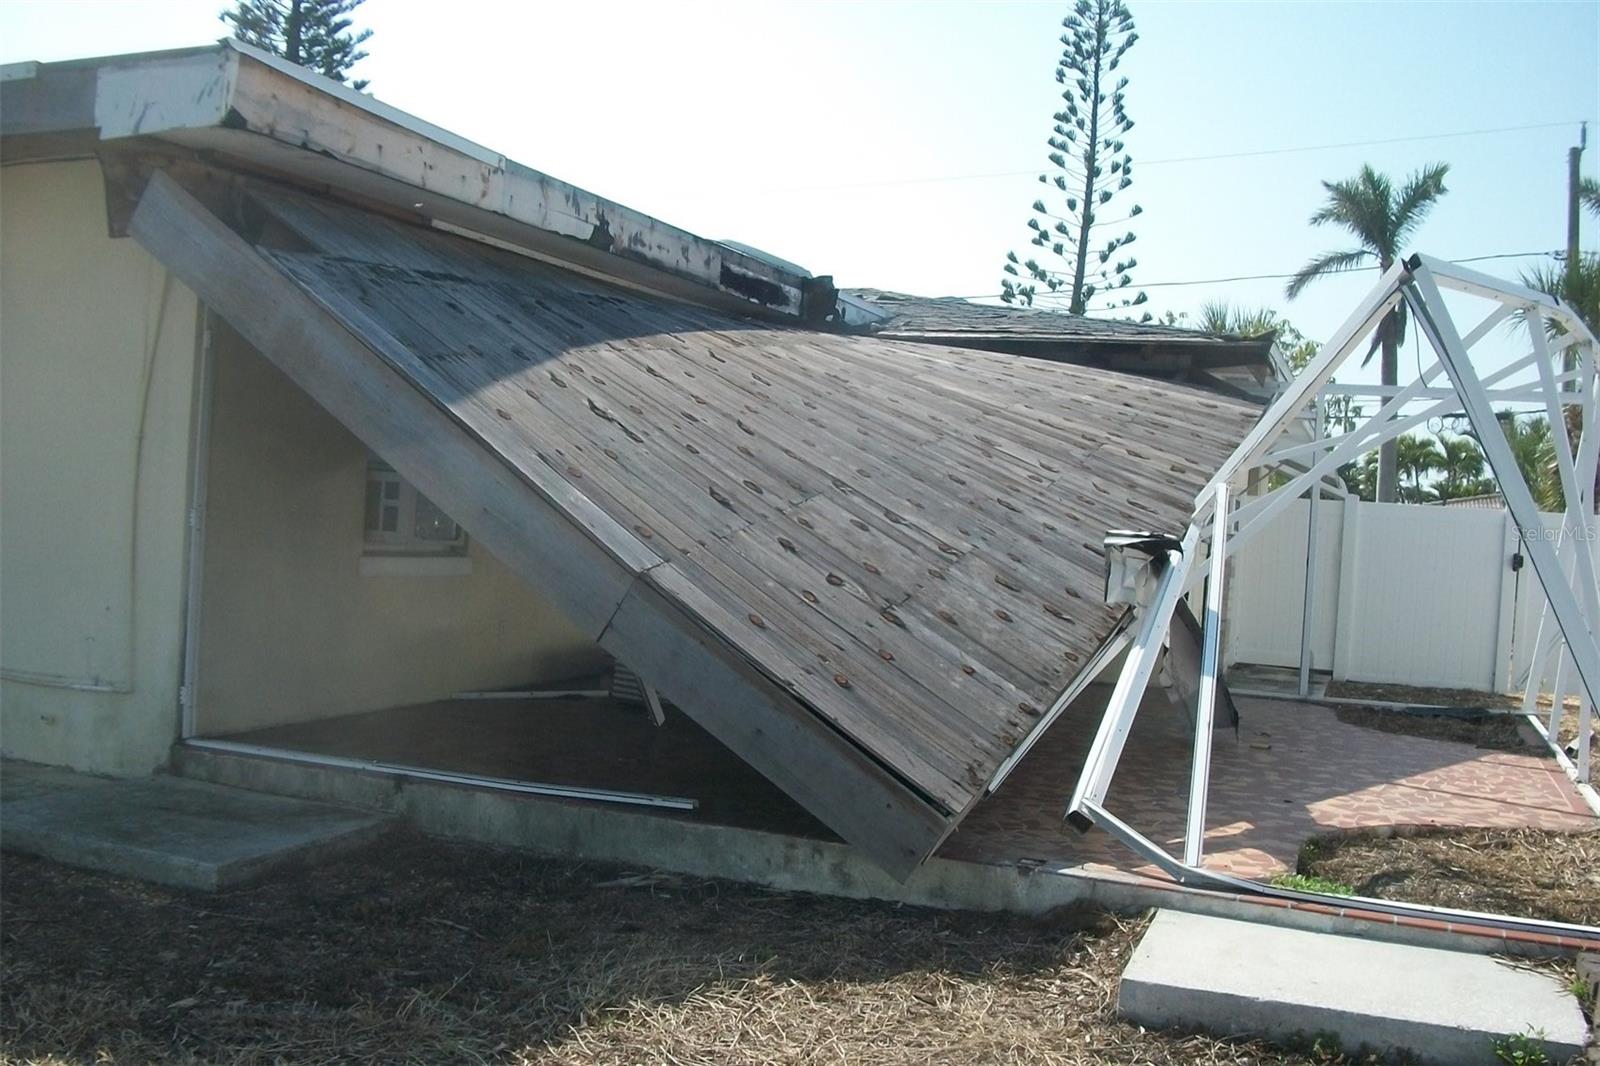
{"x":1527,"y":872}
{"x":420,"y":951}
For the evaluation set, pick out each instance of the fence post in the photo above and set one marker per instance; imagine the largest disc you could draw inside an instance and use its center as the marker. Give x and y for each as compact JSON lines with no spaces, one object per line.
{"x":1344,"y":618}
{"x":1505,"y":631}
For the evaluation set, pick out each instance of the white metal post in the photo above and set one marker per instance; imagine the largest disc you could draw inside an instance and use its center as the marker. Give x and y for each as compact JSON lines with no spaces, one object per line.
{"x":1558,"y":694}
{"x":1124,"y":703}
{"x":1210,"y":668}
{"x":1113,"y":646}
{"x":1307,"y":603}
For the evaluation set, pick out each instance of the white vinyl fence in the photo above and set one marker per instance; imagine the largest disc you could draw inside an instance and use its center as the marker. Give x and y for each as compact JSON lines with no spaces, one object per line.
{"x":1402,"y":594}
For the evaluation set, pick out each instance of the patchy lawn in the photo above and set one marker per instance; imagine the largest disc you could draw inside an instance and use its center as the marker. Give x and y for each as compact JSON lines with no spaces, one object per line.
{"x":1527,"y":872}
{"x":420,"y":951}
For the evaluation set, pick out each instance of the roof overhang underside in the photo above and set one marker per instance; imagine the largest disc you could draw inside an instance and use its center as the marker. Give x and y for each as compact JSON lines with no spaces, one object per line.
{"x":868,"y":567}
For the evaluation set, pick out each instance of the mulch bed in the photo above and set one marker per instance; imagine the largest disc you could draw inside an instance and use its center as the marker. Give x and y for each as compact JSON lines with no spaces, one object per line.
{"x":1496,"y":731}
{"x":1426,"y":697}
{"x":420,"y":951}
{"x":1499,"y":733}
{"x":1527,"y":872}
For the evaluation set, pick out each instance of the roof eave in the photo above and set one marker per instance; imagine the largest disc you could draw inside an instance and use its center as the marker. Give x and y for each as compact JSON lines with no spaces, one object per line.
{"x":248,"y":105}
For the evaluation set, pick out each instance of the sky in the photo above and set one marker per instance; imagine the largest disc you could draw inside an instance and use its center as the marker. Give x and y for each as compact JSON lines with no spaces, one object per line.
{"x":897,"y":144}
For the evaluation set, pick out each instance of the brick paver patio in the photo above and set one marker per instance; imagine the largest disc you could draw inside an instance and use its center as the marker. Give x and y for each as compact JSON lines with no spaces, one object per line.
{"x":1294,"y":770}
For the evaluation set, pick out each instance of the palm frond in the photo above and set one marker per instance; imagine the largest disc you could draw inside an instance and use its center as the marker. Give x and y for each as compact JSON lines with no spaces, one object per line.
{"x":1362,"y":206}
{"x":1392,"y":323}
{"x":1216,"y":316}
{"x":1422,"y":190}
{"x":1580,"y":288}
{"x":1324,"y":264}
{"x":1589,"y":193}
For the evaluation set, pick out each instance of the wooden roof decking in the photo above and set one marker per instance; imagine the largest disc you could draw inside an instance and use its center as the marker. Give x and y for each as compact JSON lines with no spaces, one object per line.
{"x":905,"y":538}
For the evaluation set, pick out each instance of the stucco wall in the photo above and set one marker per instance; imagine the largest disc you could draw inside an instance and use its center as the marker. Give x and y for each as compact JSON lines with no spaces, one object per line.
{"x":97,"y":359}
{"x":290,"y":627}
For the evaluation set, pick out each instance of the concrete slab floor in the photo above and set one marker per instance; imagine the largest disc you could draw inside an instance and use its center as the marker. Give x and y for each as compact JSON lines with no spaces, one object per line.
{"x":188,"y":834}
{"x":1243,"y":979}
{"x":21,"y":780}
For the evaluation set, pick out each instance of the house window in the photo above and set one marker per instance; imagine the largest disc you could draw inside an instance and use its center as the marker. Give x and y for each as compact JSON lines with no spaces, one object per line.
{"x":402,"y":521}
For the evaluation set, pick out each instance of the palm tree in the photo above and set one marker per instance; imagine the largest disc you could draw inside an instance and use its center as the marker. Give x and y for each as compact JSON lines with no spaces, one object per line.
{"x":1461,"y":472}
{"x":1417,"y":457}
{"x":1533,"y":448}
{"x":1589,"y":193}
{"x":1380,"y":219}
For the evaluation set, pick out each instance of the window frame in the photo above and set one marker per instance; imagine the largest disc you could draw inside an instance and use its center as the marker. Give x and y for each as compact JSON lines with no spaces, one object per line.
{"x":402,"y":541}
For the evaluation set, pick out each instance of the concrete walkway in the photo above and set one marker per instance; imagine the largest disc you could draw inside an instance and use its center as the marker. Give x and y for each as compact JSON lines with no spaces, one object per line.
{"x":1243,"y":979}
{"x":188,"y":834}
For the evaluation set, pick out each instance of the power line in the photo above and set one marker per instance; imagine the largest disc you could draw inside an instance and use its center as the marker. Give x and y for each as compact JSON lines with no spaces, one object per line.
{"x":1268,"y":277}
{"x":1191,"y":158}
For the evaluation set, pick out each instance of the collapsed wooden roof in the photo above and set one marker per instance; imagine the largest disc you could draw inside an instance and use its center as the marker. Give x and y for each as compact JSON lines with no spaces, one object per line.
{"x":867,"y":566}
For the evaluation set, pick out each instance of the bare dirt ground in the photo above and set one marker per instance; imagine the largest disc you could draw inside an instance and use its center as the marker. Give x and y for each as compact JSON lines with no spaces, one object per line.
{"x":419,"y":951}
{"x":1527,"y":872}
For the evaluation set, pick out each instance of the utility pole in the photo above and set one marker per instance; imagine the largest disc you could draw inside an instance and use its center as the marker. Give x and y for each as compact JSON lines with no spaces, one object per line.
{"x":1569,"y":361}
{"x":1574,"y":155}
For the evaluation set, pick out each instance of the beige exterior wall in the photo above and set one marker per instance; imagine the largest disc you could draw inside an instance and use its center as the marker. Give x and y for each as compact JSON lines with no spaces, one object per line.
{"x":290,"y":629}
{"x":97,"y":361}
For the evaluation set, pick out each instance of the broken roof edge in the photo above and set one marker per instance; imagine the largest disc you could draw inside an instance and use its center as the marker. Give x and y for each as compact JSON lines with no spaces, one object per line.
{"x":952,"y":319}
{"x":225,"y":96}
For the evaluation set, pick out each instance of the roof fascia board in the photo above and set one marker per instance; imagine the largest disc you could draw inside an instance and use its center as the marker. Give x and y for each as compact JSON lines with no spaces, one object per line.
{"x":367,"y":103}
{"x":291,"y":105}
{"x":153,"y":96}
{"x":215,"y":97}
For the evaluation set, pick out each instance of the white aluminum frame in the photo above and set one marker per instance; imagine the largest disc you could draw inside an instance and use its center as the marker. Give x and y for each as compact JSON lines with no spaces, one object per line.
{"x":421,"y":773}
{"x":1572,"y":593}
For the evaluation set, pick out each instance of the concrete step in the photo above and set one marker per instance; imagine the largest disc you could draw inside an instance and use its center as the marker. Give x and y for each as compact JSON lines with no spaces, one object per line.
{"x":1242,"y":979}
{"x":188,"y":834}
